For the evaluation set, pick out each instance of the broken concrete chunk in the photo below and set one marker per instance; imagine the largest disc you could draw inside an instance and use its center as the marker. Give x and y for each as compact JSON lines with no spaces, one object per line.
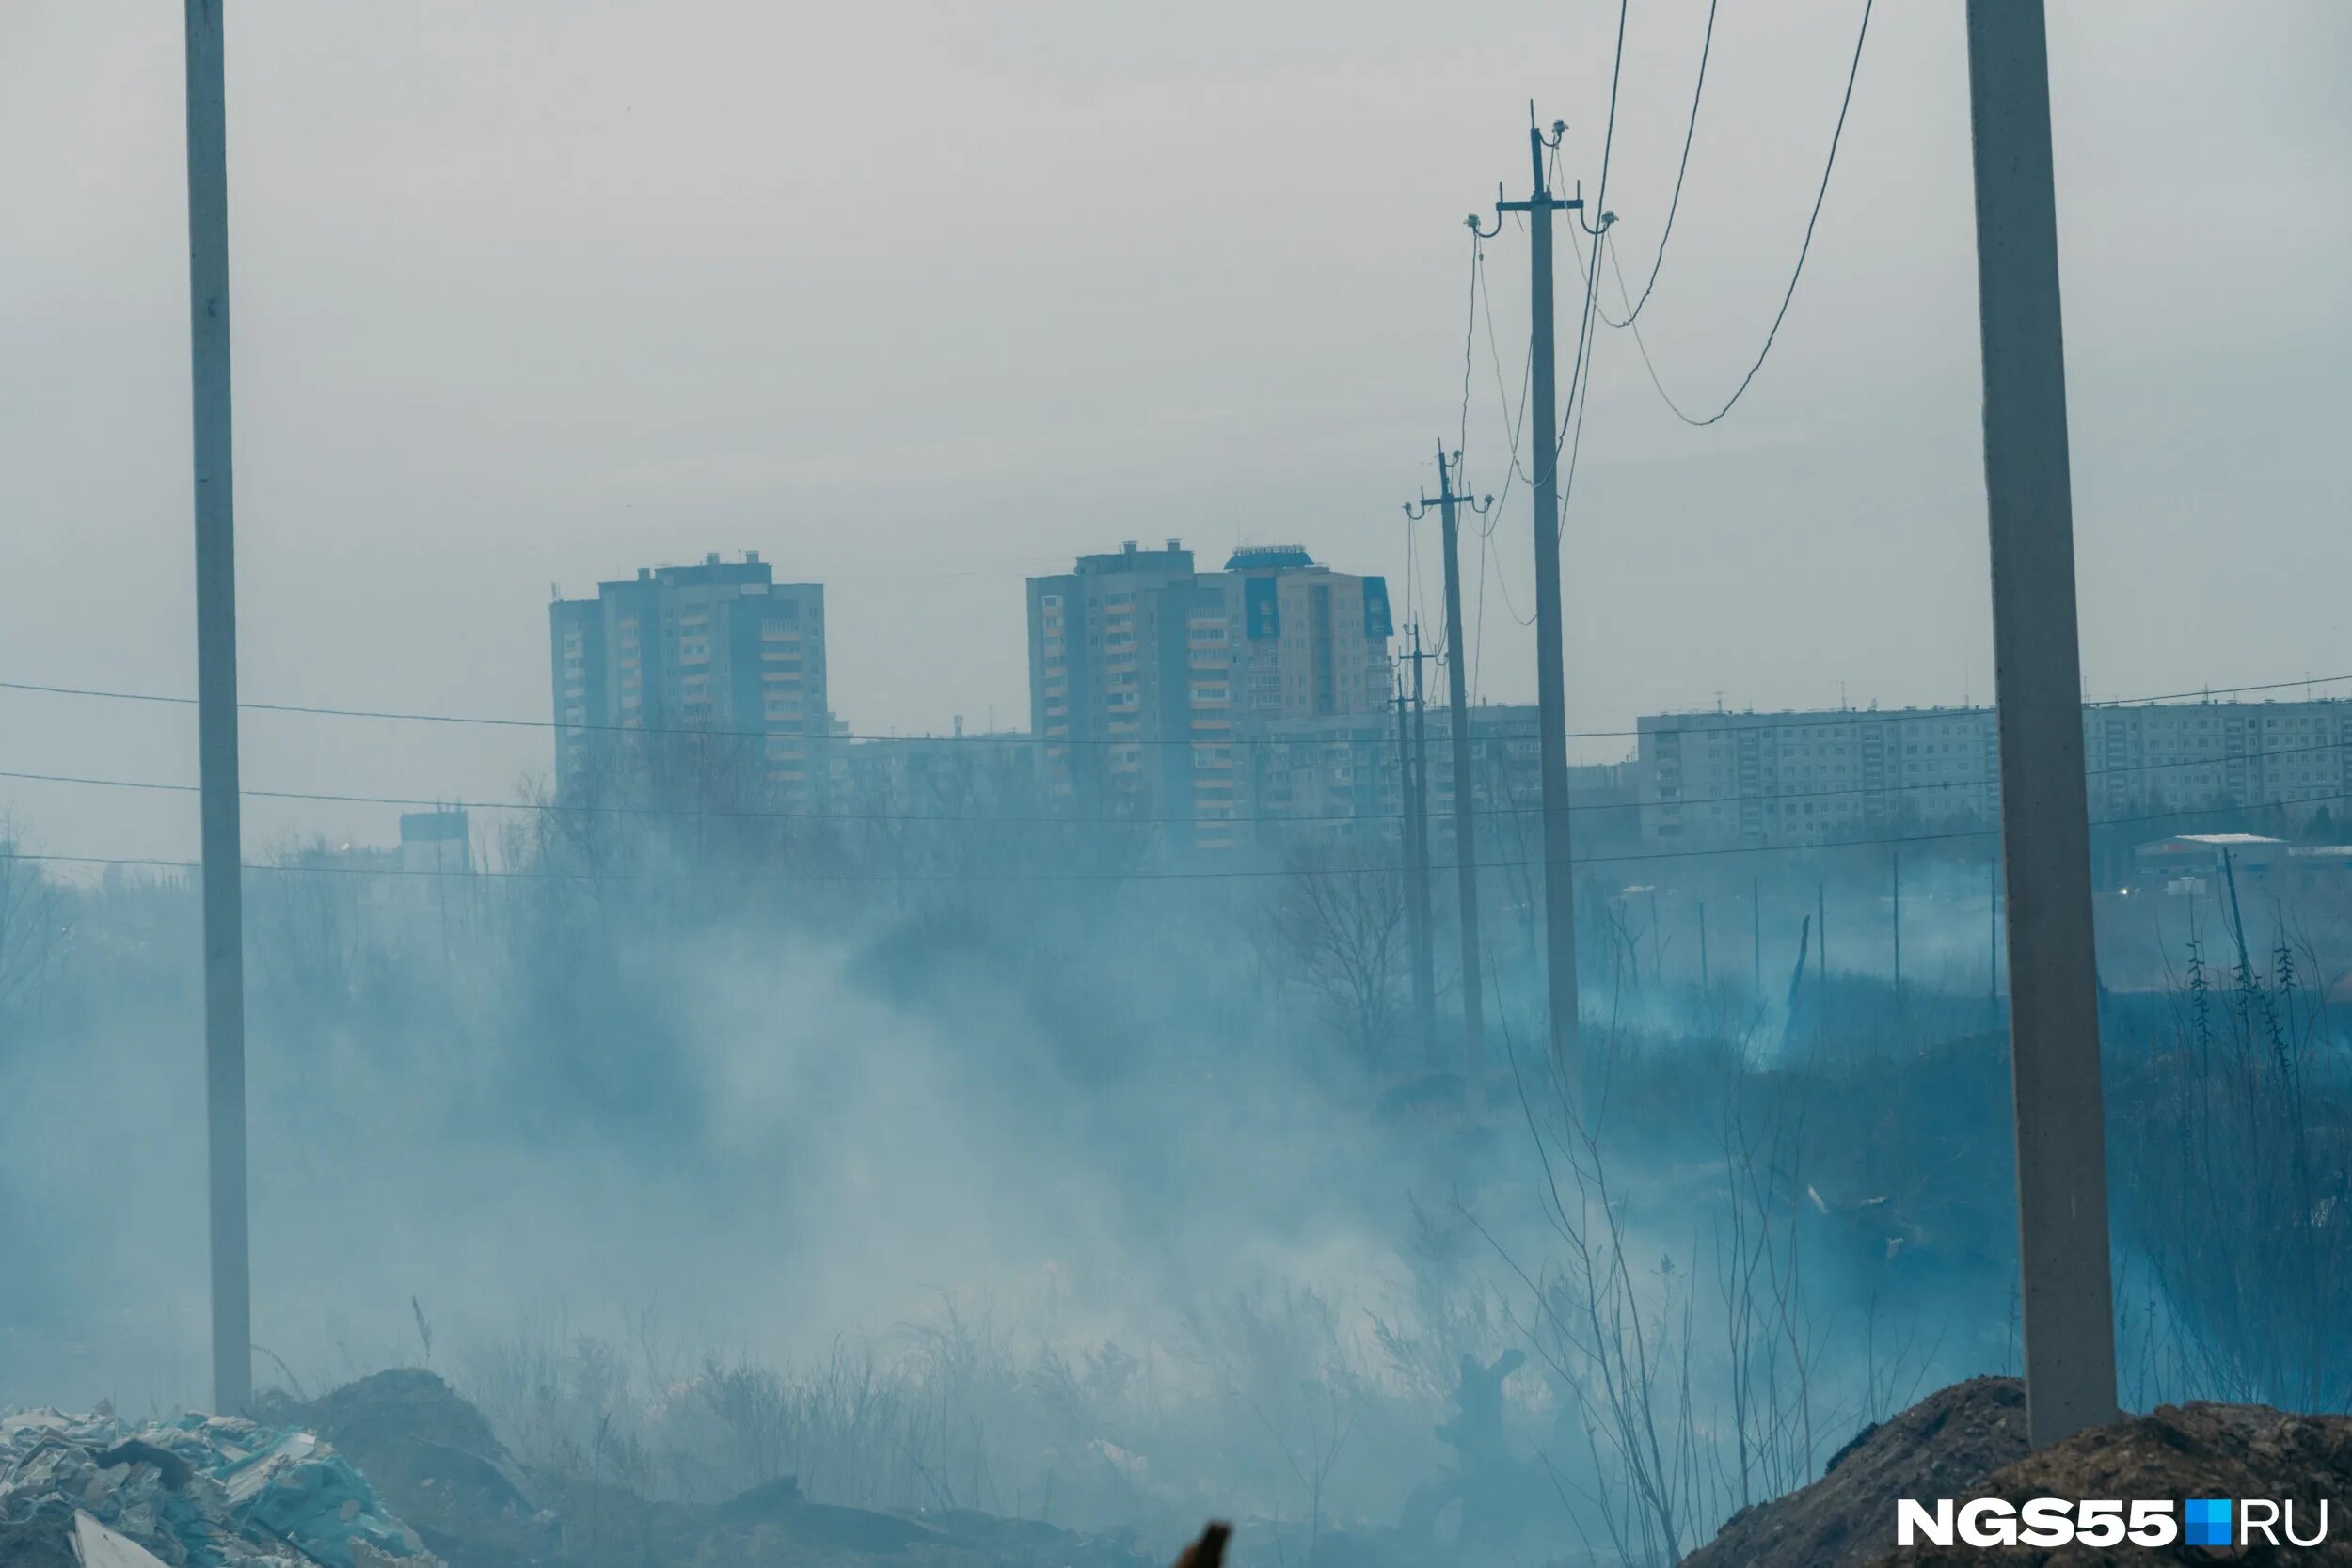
{"x":97,"y":1547}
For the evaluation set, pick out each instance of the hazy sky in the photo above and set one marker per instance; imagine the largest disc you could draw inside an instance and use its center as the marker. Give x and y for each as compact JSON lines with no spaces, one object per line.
{"x":916,"y":298}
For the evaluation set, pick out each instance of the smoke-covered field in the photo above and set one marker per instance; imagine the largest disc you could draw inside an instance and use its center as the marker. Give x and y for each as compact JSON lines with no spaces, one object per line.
{"x":1124,"y":1199}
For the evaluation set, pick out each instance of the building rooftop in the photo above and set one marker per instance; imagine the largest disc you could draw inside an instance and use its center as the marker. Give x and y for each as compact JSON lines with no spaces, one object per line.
{"x":419,"y":826}
{"x":1263,"y":557}
{"x":1131,"y":558}
{"x":2219,"y":839}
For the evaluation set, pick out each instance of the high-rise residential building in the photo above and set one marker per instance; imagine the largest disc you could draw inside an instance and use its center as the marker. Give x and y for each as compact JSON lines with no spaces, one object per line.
{"x":1763,"y":779}
{"x":1115,"y":685}
{"x":1146,"y":674}
{"x":1312,"y":642}
{"x":721,"y":649}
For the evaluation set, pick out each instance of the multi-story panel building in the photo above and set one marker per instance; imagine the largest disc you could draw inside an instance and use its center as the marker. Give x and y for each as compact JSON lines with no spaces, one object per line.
{"x":1147,"y":677}
{"x":434,"y":843}
{"x":940,"y":778}
{"x":720,"y":649}
{"x":1312,"y":642}
{"x":1720,"y":778}
{"x":1111,"y":679}
{"x":1341,"y":775}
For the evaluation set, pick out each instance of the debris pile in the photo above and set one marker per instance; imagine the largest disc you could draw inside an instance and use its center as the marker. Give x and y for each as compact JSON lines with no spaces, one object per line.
{"x":199,"y":1492}
{"x":314,"y":1485}
{"x":435,"y":1459}
{"x":1940,"y":1447}
{"x":1968,"y":1441}
{"x":2181,"y":1451}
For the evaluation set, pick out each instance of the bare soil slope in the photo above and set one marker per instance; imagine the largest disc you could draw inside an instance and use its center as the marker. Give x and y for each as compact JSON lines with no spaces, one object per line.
{"x":1969,"y":1441}
{"x":1942,"y":1447}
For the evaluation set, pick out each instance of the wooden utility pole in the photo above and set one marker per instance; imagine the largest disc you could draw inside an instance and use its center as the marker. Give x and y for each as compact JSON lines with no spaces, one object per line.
{"x":1465,"y":788}
{"x":1552,"y":715}
{"x":2067,"y":1290}
{"x":216,"y":711}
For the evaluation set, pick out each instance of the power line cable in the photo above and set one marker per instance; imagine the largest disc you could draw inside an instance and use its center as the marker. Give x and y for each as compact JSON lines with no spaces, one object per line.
{"x":1819,"y":196}
{"x":1229,"y":874}
{"x":1587,"y":344}
{"x":1760,"y":721}
{"x":768,"y":814}
{"x":1513,"y":423}
{"x":1470,"y":345}
{"x":1673,"y":204}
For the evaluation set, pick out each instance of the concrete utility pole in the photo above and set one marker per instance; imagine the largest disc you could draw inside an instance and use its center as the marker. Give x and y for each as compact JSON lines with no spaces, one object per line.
{"x":1992,"y":923}
{"x":1424,"y":946}
{"x":2068,"y":1295}
{"x":216,"y":710}
{"x":1465,"y":788}
{"x":1416,"y":884}
{"x":1551,"y":716}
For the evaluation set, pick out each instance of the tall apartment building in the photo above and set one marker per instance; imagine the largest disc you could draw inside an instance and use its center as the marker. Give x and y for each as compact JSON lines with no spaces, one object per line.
{"x":722,"y":648}
{"x":1311,"y":642}
{"x":1145,"y":674}
{"x":1719,"y":779}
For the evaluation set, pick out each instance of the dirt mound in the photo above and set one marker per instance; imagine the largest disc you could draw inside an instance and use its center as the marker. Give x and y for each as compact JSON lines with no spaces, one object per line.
{"x":434,"y":1457}
{"x":1969,"y":1441}
{"x":397,"y":1409}
{"x":2194,"y":1451}
{"x":1944,"y":1445}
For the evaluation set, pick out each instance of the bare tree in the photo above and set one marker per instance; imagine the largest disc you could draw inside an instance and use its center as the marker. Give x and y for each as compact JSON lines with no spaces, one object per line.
{"x":309,"y":932}
{"x":1341,"y":916}
{"x":35,"y":920}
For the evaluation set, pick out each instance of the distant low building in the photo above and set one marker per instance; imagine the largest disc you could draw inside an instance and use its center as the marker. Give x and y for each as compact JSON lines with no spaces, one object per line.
{"x":1719,"y":779}
{"x":1339,"y":775}
{"x":931,"y":776}
{"x":2313,"y":866}
{"x":434,"y":843}
{"x":2196,"y":862}
{"x":2202,"y":857}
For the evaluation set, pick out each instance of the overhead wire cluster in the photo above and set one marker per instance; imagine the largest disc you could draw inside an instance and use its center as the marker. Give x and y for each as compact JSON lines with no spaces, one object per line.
{"x":1711,"y":725}
{"x":1632,"y":307}
{"x":1825,"y":846}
